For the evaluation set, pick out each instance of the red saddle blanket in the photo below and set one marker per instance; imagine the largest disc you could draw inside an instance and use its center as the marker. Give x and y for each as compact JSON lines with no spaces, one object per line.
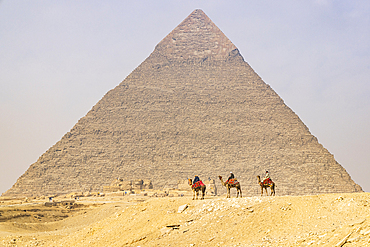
{"x":197,"y":184}
{"x":232,"y":181}
{"x":267,"y":182}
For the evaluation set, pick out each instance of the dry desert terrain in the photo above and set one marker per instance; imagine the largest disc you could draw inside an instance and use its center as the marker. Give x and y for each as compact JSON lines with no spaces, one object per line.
{"x":316,"y":220}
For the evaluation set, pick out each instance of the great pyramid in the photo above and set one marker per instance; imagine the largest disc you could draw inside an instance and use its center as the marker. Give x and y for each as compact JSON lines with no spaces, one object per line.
{"x":193,"y":107}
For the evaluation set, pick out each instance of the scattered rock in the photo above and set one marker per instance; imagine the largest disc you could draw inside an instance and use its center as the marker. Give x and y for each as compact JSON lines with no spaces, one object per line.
{"x":343,"y":241}
{"x":351,"y":240}
{"x":357,"y":222}
{"x":182,"y":208}
{"x":165,"y":230}
{"x":209,"y":240}
{"x":363,"y":232}
{"x":173,"y":226}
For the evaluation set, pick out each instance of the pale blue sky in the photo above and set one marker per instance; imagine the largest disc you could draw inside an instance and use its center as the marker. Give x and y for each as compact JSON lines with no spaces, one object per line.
{"x":58,"y":58}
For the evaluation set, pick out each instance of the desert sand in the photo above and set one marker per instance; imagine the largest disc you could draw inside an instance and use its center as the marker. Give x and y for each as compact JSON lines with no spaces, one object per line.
{"x":315,"y":220}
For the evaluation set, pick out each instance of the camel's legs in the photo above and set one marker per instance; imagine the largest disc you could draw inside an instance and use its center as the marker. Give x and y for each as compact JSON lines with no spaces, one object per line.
{"x":265,"y":190}
{"x":272,"y":190}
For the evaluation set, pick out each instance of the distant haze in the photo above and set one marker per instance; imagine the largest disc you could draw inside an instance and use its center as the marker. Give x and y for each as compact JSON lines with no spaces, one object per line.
{"x":57,"y":59}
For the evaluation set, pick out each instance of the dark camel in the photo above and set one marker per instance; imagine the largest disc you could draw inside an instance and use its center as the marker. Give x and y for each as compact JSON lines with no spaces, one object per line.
{"x":197,"y":189}
{"x":229,"y":186}
{"x":265,"y":186}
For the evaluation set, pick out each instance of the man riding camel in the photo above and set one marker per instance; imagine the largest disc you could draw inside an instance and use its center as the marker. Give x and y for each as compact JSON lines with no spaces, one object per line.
{"x":267,"y":178}
{"x":197,"y":182}
{"x":231,"y":177}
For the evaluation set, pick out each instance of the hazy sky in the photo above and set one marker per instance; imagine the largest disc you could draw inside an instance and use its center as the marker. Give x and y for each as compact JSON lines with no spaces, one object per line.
{"x":58,"y":59}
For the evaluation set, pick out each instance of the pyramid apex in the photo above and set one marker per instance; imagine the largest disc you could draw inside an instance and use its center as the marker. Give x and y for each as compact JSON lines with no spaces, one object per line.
{"x":198,"y":11}
{"x":196,"y":38}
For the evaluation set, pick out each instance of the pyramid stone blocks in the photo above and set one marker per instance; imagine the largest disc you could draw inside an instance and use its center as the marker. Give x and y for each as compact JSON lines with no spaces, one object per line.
{"x":193,"y":107}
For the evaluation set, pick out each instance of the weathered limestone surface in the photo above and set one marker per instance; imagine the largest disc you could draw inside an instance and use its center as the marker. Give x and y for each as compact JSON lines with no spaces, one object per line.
{"x":194,"y":106}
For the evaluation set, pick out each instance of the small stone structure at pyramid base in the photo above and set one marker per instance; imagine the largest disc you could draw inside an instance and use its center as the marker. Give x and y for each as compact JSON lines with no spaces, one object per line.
{"x":145,"y":186}
{"x":120,"y":184}
{"x":194,"y":106}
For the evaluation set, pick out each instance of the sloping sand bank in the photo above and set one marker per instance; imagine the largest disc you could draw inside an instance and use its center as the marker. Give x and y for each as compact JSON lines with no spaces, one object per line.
{"x":321,"y":220}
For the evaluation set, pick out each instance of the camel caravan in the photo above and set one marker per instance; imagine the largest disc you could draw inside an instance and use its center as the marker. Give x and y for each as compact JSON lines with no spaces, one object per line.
{"x":197,"y":187}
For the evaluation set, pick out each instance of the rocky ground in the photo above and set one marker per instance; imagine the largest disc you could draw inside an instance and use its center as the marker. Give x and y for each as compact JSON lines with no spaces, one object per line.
{"x":320,"y":220}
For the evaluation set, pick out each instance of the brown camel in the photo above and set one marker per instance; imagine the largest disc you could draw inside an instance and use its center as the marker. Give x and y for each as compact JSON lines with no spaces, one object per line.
{"x":264,"y":186}
{"x":197,"y":189}
{"x":229,"y":186}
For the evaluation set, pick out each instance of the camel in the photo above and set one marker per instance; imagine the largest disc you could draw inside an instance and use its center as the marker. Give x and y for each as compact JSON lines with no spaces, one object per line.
{"x":264,"y":186}
{"x":229,"y":186}
{"x":197,"y":189}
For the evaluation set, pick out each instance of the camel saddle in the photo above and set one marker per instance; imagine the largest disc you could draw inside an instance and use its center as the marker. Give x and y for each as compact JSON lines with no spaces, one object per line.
{"x":268,"y":182}
{"x":232,"y":181}
{"x":197,"y":184}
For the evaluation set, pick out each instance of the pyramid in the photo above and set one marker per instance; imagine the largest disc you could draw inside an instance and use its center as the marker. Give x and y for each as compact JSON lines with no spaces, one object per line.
{"x":193,"y":107}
